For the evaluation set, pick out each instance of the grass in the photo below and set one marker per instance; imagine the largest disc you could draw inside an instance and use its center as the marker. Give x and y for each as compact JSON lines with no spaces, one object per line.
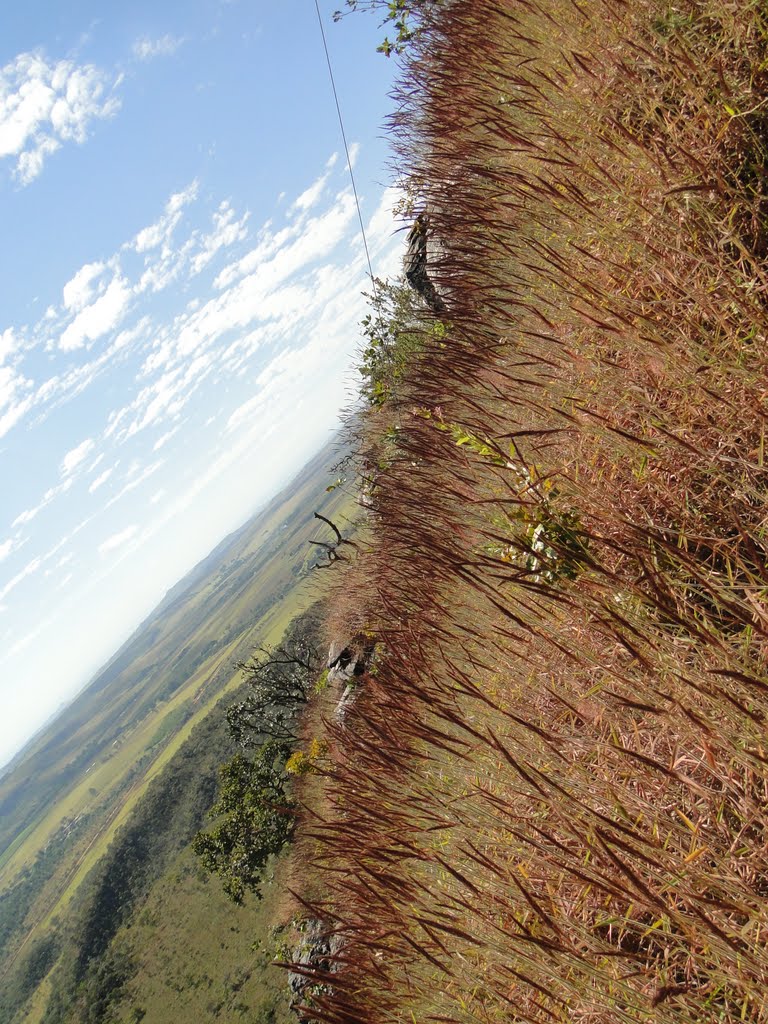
{"x":549,"y":801}
{"x":199,"y":956}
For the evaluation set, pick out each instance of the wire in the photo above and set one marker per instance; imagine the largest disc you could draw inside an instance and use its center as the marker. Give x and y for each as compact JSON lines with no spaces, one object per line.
{"x":346,"y":147}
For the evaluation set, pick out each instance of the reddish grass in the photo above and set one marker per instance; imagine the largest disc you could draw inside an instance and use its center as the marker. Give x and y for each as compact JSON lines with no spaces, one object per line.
{"x":549,"y":802}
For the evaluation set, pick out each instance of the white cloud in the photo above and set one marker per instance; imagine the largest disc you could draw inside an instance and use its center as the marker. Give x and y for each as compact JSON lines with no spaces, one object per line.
{"x":160,"y":232}
{"x":263,"y":295}
{"x":73,"y":458}
{"x":100,"y":479}
{"x":276,"y":260}
{"x":5,"y":548}
{"x":165,"y":46}
{"x":43,"y":105}
{"x":12,"y":384}
{"x":101,"y":316}
{"x":226,"y":231}
{"x":162,"y":441}
{"x":383,"y":225}
{"x":29,"y":514}
{"x":11,"y":416}
{"x":135,"y":477}
{"x":52,"y":492}
{"x":28,"y":569}
{"x":117,"y":540}
{"x":79,"y":291}
{"x":8,"y":343}
{"x":310,"y":196}
{"x":26,"y":516}
{"x":131,"y":334}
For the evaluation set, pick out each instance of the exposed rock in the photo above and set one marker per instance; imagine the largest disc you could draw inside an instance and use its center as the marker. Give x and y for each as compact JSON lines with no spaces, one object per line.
{"x":347,"y":699}
{"x":415,"y":265}
{"x":315,"y":960}
{"x":350,"y":660}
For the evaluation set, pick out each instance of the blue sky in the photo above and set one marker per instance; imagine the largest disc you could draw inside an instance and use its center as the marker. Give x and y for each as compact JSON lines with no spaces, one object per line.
{"x":181,"y":288}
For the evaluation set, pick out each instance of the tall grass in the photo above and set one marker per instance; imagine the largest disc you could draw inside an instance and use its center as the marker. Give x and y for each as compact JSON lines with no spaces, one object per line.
{"x":549,"y":801}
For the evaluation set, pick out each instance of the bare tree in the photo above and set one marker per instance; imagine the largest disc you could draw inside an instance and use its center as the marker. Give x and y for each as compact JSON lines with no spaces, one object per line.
{"x":332,"y":549}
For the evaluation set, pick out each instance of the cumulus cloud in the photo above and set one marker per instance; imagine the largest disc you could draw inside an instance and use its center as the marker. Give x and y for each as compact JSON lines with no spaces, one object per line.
{"x":29,"y":514}
{"x":227,"y":230}
{"x":311,"y":196}
{"x":100,"y":317}
{"x":163,"y":263}
{"x":45,"y":104}
{"x":117,"y":540}
{"x":12,"y":384}
{"x":100,"y":479}
{"x":293,"y":246}
{"x":165,"y":46}
{"x":29,"y":568}
{"x":73,"y":458}
{"x":8,"y":343}
{"x":275,"y":294}
{"x":79,"y":291}
{"x":15,"y":389}
{"x":263,"y":295}
{"x":164,"y":439}
{"x":160,"y":232}
{"x":12,"y":415}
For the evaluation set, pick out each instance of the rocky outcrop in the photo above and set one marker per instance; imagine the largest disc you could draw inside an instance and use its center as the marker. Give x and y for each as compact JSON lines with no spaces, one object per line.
{"x":351,"y":659}
{"x":348,"y":663}
{"x":314,"y":962}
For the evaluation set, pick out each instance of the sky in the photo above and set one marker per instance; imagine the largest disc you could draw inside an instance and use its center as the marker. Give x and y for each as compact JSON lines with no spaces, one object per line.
{"x":180,"y":291}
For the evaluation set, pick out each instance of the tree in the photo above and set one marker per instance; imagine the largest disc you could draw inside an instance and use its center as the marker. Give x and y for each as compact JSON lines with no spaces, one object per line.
{"x":332,"y":548}
{"x":403,"y":14}
{"x":279,"y":680}
{"x":394,"y":332}
{"x":257,"y":819}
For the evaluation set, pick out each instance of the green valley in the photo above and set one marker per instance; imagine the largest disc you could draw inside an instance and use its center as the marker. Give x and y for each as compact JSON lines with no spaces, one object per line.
{"x":98,"y":810}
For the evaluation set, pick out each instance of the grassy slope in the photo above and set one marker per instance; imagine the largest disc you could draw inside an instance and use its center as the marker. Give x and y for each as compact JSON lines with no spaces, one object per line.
{"x":201,"y":957}
{"x":550,"y":796}
{"x":242,"y":595}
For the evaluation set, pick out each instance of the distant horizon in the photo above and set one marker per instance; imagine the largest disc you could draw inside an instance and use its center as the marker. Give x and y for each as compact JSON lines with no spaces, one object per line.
{"x":184,"y":295}
{"x":139,"y":624}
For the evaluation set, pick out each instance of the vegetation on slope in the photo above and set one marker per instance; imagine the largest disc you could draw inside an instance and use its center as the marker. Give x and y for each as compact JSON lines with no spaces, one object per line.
{"x":255,"y":811}
{"x":92,"y":954}
{"x":548,"y":801}
{"x":76,"y":879}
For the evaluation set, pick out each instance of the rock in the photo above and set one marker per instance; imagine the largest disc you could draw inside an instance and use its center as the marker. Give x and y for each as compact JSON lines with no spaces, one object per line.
{"x":347,"y":699}
{"x":341,"y":662}
{"x":316,"y":957}
{"x":347,"y":661}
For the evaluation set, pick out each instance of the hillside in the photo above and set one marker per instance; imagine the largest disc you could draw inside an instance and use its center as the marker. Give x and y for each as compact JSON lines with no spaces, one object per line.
{"x":546,"y":799}
{"x":148,"y":714}
{"x":533,"y":786}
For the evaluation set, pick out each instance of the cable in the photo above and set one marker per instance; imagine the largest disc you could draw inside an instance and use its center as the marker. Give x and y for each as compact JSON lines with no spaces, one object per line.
{"x":346,"y":148}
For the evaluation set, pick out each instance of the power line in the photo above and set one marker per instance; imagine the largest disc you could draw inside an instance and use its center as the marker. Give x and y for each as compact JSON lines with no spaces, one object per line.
{"x":346,"y":147}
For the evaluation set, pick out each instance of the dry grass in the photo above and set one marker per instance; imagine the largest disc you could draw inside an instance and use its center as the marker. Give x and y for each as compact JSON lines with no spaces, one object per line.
{"x":549,"y":803}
